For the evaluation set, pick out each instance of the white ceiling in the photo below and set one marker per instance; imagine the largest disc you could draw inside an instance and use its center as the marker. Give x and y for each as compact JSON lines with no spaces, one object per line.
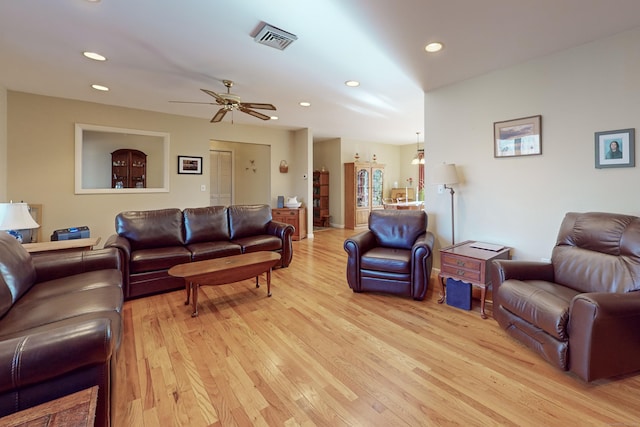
{"x":164,"y":50}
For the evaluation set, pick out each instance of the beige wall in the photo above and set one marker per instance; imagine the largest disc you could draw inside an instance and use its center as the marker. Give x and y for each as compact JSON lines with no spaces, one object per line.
{"x":40,"y":144}
{"x":520,"y":202}
{"x":3,"y":144}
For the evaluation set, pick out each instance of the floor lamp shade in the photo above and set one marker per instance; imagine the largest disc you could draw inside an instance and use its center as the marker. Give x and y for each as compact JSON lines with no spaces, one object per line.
{"x":447,"y":175}
{"x":14,"y":217}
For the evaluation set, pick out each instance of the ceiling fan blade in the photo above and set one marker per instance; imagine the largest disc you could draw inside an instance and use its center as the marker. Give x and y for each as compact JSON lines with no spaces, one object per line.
{"x":220,"y":100}
{"x":219,"y":115}
{"x":257,"y":105}
{"x":194,"y":102}
{"x":254,"y":113}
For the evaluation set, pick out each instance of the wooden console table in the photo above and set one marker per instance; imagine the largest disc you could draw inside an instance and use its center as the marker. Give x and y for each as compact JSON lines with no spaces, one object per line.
{"x":59,"y":245}
{"x":77,"y":409}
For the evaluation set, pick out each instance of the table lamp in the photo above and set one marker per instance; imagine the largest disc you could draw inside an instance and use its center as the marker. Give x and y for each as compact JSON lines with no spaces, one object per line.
{"x":446,"y":175}
{"x":15,"y":217}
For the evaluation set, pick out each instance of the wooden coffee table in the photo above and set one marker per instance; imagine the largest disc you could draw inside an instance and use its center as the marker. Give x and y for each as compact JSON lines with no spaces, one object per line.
{"x":225,"y":270}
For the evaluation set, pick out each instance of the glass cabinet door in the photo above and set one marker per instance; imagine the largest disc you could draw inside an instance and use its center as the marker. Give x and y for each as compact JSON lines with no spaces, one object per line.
{"x":362,"y":188}
{"x":376,"y":187}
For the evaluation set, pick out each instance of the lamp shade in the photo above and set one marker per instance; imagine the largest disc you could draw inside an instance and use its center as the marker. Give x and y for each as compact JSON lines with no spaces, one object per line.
{"x":16,"y":216}
{"x":446,"y":174}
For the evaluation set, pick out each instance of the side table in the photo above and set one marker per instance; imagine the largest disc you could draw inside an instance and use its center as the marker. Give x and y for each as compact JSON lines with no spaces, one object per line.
{"x":469,"y":264}
{"x":61,"y":245}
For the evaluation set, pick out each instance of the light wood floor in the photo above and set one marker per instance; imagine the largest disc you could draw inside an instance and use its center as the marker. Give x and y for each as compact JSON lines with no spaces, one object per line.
{"x":317,"y":354}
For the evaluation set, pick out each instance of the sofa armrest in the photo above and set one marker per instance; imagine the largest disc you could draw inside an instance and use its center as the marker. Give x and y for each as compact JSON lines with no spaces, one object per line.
{"x":32,"y":359}
{"x":57,"y":264}
{"x":355,"y":246}
{"x":121,"y":243}
{"x":285,"y":233}
{"x":604,"y":338}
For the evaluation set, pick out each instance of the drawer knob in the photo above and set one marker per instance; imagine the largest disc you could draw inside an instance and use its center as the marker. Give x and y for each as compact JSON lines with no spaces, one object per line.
{"x":460,"y":263}
{"x":460,"y":272}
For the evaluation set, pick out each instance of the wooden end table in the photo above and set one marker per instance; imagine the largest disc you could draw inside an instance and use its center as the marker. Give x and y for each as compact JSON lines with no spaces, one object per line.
{"x":225,"y":270}
{"x":464,"y":262}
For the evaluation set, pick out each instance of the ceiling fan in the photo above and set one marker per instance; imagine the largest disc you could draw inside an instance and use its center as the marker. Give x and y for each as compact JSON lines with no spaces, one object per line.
{"x":230,"y":102}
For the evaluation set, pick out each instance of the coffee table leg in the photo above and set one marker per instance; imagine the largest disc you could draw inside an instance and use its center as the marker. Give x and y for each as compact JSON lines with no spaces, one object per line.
{"x":257,"y":281}
{"x":195,"y":287}
{"x":187,"y":286}
{"x":269,"y":282}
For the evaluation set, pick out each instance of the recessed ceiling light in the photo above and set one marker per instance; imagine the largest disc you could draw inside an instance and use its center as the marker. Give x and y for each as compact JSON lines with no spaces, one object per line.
{"x":352,"y":83}
{"x":94,"y":56}
{"x":305,"y":104}
{"x":274,"y":117}
{"x":434,"y":47}
{"x":100,"y":87}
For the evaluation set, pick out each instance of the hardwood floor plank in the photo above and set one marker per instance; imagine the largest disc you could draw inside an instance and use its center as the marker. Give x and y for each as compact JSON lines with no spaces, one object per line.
{"x":317,"y":354}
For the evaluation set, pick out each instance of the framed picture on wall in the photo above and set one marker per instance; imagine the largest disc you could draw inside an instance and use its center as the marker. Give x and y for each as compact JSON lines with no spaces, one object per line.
{"x":518,"y":137}
{"x":190,"y":165}
{"x":615,"y":149}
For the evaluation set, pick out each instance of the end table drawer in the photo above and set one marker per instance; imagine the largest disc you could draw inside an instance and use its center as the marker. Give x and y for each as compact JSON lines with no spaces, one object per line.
{"x":461,"y":272}
{"x":458,"y":262}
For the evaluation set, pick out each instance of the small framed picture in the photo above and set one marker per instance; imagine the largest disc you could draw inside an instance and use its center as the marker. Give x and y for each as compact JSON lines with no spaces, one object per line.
{"x":615,"y":149}
{"x":190,"y":165}
{"x":518,"y":137}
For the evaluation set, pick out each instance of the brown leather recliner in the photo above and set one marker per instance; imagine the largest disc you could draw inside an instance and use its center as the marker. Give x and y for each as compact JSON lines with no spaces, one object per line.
{"x":394,"y":255}
{"x":581,"y":311}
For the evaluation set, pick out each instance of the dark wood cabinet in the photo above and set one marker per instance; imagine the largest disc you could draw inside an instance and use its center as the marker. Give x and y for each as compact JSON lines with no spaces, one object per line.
{"x":128,"y":169}
{"x":321,"y":198}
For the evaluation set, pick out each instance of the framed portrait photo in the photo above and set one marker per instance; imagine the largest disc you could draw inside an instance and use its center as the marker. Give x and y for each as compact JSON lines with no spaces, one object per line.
{"x":615,"y":149}
{"x":190,"y":165}
{"x":518,"y":137}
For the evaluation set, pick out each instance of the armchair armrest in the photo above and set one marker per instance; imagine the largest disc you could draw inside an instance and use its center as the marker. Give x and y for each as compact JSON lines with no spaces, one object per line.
{"x":604,"y":337}
{"x":355,"y":246}
{"x":285,"y":233}
{"x":32,"y":359}
{"x":421,"y":264}
{"x":54,"y":265}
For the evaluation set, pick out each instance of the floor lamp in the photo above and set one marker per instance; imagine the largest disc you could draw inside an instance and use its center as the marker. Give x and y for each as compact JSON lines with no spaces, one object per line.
{"x":446,"y":175}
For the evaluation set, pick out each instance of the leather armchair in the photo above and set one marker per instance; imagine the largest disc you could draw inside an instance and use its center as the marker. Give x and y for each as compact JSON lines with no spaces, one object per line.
{"x":394,"y":255}
{"x":581,"y":311}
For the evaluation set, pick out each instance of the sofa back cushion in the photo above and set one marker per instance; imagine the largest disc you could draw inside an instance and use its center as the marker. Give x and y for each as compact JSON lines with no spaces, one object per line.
{"x":151,"y":229}
{"x":598,"y":252}
{"x":397,"y":228}
{"x":248,"y":220}
{"x":17,"y":272}
{"x":208,"y":224}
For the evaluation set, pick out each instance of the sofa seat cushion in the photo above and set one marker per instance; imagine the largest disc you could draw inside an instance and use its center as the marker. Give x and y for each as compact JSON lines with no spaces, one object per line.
{"x":209,"y":250}
{"x":262,"y":242}
{"x":541,"y":303}
{"x":145,"y":260}
{"x":87,"y":295}
{"x":388,"y":260}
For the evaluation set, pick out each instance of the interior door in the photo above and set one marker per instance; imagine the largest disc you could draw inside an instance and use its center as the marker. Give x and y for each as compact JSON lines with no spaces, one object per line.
{"x":221,"y":178}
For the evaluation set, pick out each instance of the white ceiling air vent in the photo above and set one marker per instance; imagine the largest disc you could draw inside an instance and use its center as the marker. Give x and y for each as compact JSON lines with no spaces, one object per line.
{"x":274,"y":37}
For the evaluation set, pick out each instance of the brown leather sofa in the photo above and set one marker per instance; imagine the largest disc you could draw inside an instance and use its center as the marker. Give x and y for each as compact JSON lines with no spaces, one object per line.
{"x":394,"y":255}
{"x":60,"y":325}
{"x":581,"y":311}
{"x":153,"y":241}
